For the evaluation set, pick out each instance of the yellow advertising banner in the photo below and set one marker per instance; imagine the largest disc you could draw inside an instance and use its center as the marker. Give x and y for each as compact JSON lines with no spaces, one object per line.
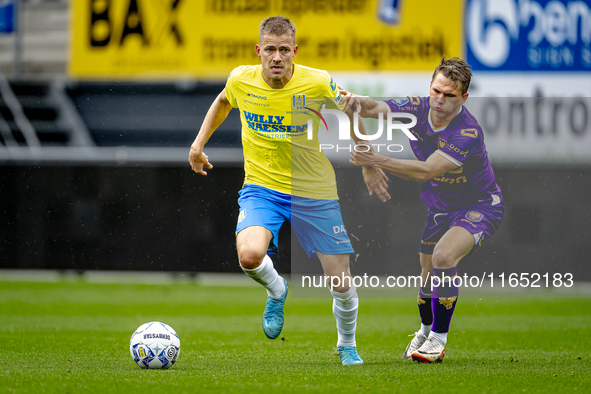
{"x":206,"y":39}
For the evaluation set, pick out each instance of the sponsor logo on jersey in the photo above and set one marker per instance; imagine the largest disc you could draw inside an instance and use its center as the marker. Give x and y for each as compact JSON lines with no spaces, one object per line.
{"x":242,"y":216}
{"x":256,"y":96}
{"x":333,"y":84}
{"x":298,"y":101}
{"x":401,"y":101}
{"x":469,"y":132}
{"x":474,"y":216}
{"x":457,"y":150}
{"x":270,"y":123}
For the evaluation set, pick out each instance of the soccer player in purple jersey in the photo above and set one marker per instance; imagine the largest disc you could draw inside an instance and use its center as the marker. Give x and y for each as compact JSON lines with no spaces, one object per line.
{"x":459,"y":187}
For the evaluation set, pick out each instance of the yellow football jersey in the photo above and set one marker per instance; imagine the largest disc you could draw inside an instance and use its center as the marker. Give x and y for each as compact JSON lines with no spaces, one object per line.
{"x":279,"y":154}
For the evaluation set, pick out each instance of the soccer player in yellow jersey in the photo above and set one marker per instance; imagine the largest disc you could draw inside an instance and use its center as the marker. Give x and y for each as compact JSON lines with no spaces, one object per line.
{"x":287,"y":177}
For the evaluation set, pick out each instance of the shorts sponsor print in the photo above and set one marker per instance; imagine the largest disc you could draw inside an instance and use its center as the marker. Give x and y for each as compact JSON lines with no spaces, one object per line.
{"x":318,"y":224}
{"x":482,"y":222}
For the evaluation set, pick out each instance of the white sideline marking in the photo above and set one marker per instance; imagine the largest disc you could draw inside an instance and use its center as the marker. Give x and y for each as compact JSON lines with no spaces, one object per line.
{"x":128,"y":277}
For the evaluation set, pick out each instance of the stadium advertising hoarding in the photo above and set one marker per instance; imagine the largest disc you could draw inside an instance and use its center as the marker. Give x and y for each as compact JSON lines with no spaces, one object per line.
{"x":528,"y":35}
{"x":7,"y":16}
{"x":531,"y":60}
{"x":539,"y":49}
{"x":131,"y":39}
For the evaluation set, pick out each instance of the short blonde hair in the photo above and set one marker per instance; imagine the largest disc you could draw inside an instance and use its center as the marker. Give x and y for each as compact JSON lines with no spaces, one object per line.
{"x":277,"y":26}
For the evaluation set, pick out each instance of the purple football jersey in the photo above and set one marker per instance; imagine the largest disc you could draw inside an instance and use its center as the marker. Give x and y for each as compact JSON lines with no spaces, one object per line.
{"x":473,"y":183}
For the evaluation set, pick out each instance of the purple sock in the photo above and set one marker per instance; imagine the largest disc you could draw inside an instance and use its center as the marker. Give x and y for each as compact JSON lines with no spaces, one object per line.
{"x":425,"y":310}
{"x":444,"y":300}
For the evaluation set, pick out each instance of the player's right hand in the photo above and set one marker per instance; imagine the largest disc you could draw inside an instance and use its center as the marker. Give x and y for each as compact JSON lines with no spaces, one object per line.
{"x":198,"y":161}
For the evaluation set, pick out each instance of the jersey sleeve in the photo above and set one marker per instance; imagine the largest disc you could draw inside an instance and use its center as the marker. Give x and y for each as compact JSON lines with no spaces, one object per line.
{"x":462,"y":145}
{"x":230,"y":93}
{"x":409,"y":105}
{"x":333,"y":93}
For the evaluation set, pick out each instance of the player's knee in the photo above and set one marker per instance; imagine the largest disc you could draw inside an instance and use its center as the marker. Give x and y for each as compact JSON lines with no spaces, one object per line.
{"x":250,"y":259}
{"x":442,"y":259}
{"x":342,"y":288}
{"x":340,"y":283}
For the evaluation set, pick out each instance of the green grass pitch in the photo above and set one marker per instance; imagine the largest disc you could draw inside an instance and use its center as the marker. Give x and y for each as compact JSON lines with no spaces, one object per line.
{"x":73,"y":337}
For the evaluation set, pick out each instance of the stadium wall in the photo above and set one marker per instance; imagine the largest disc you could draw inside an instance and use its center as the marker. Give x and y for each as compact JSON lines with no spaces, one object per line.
{"x":169,"y":219}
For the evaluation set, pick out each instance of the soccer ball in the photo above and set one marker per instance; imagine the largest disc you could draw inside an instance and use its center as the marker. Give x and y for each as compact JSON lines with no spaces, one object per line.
{"x":155,"y":345}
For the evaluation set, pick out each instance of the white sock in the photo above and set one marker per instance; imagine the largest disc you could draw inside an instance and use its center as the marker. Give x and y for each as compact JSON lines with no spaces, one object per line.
{"x":266,"y":275}
{"x":425,"y":330}
{"x":441,"y":337}
{"x":344,"y":308}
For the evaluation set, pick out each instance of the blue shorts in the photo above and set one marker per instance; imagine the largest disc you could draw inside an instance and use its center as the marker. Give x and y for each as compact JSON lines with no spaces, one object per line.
{"x":318,"y":224}
{"x":482,"y":222}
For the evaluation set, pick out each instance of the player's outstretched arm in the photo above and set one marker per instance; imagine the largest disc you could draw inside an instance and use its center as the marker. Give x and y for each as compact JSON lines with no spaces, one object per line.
{"x":374,"y":178}
{"x":414,"y":170}
{"x":217,"y":113}
{"x":366,"y":106}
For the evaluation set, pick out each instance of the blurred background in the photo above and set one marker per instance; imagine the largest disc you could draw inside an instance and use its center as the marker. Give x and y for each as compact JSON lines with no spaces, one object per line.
{"x":101,"y":99}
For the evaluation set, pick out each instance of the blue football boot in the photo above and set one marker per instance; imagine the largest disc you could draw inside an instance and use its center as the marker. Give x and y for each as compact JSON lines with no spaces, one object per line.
{"x":273,"y":315}
{"x":349,"y":355}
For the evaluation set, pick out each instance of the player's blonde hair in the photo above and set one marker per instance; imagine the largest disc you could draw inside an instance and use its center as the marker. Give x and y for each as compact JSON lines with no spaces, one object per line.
{"x":277,"y":26}
{"x":457,"y":70}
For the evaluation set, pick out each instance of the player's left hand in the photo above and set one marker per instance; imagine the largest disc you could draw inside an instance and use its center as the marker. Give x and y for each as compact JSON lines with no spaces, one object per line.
{"x":376,"y":182}
{"x":351,"y":99}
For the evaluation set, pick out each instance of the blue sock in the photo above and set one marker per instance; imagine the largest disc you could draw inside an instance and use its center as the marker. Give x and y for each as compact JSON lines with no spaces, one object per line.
{"x":444,"y":299}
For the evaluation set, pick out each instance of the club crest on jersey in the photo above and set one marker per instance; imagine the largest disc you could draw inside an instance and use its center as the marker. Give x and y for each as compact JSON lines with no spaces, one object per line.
{"x":401,"y":101}
{"x":474,"y":216}
{"x":298,"y":101}
{"x":442,"y":143}
{"x":469,"y":133}
{"x":415,"y":100}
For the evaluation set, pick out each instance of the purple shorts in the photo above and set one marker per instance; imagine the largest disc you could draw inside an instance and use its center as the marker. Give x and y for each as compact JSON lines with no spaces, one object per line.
{"x":482,"y":222}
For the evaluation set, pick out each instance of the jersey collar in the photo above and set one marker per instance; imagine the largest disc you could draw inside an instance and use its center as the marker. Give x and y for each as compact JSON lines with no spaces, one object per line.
{"x":295,"y":75}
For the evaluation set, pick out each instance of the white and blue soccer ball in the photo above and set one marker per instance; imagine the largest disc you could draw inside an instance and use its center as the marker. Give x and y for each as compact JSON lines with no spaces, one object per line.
{"x":155,"y":345}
